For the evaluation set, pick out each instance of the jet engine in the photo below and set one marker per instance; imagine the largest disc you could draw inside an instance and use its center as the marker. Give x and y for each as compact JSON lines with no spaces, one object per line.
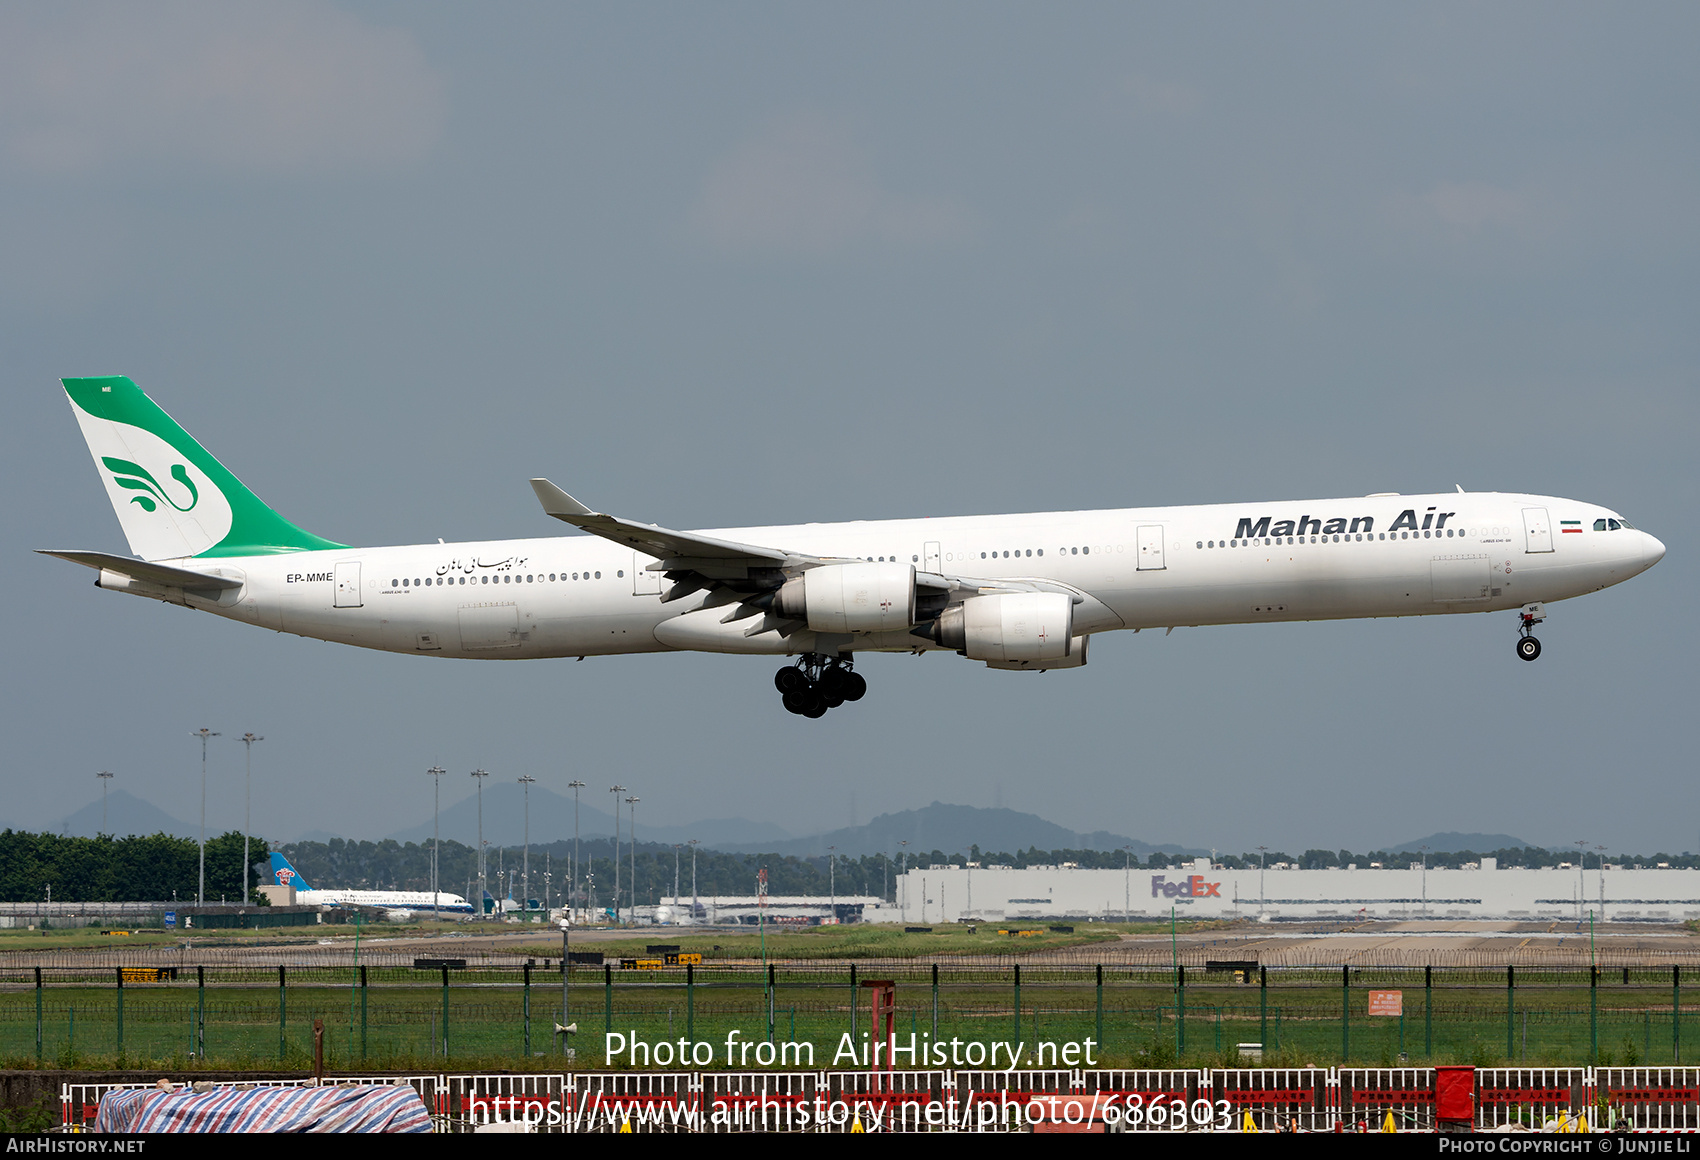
{"x":1011,"y":627}
{"x":851,"y":598}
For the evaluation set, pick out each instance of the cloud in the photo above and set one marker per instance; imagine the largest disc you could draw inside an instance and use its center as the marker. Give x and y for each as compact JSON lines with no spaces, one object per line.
{"x":802,"y":187}
{"x":1473,"y":207}
{"x":267,"y":88}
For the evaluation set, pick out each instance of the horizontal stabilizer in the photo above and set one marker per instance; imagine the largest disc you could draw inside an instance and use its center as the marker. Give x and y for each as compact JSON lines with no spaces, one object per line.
{"x":163,"y":575}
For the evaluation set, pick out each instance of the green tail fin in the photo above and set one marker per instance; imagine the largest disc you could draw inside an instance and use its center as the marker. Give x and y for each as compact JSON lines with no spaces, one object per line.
{"x":173,"y":499}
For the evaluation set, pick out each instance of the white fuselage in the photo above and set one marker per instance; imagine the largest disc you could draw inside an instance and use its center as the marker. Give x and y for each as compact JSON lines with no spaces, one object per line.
{"x":385,"y":899}
{"x":1130,"y":568}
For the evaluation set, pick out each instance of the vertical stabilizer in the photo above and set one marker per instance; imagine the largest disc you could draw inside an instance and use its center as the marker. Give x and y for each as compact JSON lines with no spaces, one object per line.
{"x":283,"y":874}
{"x":173,"y":499}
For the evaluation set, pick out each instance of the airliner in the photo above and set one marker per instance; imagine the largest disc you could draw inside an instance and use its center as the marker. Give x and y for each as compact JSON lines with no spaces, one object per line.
{"x":1016,"y":592}
{"x":400,"y":901}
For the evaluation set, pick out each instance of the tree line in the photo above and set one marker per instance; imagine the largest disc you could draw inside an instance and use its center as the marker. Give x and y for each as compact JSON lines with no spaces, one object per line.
{"x":106,"y":868}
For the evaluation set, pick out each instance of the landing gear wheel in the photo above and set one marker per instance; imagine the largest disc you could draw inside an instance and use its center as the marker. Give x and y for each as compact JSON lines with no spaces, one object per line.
{"x":1528,"y":648}
{"x":817,"y":683}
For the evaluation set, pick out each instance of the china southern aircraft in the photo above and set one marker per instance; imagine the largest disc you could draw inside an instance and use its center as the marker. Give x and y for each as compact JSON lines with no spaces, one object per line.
{"x":1018,"y":592}
{"x":399,"y":902}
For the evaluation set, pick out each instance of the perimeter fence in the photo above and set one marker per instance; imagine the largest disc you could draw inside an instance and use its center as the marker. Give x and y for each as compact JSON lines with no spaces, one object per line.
{"x":739,"y":1017}
{"x":1234,"y":1100}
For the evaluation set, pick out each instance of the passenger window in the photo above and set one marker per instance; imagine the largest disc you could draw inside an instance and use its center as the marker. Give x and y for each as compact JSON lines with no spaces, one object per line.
{"x":599,"y":575}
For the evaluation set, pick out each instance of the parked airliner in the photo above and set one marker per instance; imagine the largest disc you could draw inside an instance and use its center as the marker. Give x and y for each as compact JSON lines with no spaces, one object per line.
{"x":399,"y":901}
{"x":1017,"y":592}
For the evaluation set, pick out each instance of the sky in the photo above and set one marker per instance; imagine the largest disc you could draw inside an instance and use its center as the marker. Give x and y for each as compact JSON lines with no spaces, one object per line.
{"x":744,"y":264}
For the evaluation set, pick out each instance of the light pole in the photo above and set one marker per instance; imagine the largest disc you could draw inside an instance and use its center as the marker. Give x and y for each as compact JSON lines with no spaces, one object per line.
{"x":201,"y":890}
{"x":1262,"y":852}
{"x":616,"y":790}
{"x":631,"y":820}
{"x":1602,"y":852}
{"x":525,"y":878}
{"x":572,"y":871}
{"x":478,"y":776}
{"x":1424,"y":849}
{"x":903,"y":875}
{"x":104,"y":778}
{"x":436,"y":772}
{"x":693,"y":845}
{"x":832,"y":879}
{"x":1581,"y":876}
{"x":676,"y":848}
{"x":1127,"y":883}
{"x":248,"y":740}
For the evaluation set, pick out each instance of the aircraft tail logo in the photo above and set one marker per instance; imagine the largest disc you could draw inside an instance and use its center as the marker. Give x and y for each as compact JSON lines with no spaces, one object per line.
{"x":137,"y":478}
{"x":286,"y":875}
{"x":173,"y":499}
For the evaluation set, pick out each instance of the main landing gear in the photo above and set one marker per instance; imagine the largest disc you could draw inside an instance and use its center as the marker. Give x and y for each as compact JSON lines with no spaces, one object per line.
{"x":816,"y":683}
{"x":1527,"y":646}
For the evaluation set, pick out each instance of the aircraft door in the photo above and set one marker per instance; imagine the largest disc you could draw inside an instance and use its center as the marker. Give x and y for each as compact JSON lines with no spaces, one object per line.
{"x":644,"y":583}
{"x":1537,"y":530}
{"x":1151,"y":548}
{"x":348,"y":584}
{"x":930,"y":558}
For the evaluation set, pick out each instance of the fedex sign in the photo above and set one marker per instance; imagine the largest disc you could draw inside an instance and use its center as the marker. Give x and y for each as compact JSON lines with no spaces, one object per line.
{"x":1193,"y":887}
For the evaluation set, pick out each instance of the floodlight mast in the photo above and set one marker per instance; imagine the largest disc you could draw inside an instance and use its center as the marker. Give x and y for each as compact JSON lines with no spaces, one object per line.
{"x":616,"y":790}
{"x":436,"y":772}
{"x":632,"y":846}
{"x":525,"y":878}
{"x":479,"y":775}
{"x":201,"y":889}
{"x":572,"y":871}
{"x":105,"y":777}
{"x":248,"y":740}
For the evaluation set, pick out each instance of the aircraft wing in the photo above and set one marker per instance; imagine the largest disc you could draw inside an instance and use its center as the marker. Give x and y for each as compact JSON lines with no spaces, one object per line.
{"x":162,"y":574}
{"x":677,"y":551}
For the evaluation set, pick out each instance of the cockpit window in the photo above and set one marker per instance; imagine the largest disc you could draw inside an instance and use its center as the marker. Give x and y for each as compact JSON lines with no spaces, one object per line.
{"x":1626,"y":524}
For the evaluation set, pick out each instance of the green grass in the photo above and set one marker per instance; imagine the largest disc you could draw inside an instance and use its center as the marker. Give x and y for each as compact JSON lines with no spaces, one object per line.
{"x":812,"y":1002}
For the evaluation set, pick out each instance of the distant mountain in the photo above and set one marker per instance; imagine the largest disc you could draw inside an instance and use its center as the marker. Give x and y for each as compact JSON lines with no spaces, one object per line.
{"x":127,"y":814}
{"x":552,"y":821}
{"x":1451,"y":842}
{"x":953,"y":829}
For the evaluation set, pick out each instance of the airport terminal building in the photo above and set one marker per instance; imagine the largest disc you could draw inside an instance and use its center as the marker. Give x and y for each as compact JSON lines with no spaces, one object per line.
{"x":1199,"y":890}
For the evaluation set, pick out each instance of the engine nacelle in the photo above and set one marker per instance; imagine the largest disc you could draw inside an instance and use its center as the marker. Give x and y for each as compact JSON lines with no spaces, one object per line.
{"x":1011,"y":628}
{"x":1075,"y":659}
{"x":851,"y":598}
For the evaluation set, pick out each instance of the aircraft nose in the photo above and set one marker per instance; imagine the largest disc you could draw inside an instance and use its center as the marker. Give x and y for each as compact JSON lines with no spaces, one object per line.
{"x":1655,"y":551}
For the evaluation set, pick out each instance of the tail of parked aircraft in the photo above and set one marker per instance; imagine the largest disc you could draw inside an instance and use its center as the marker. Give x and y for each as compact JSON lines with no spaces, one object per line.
{"x":283,"y":874}
{"x":173,"y":499}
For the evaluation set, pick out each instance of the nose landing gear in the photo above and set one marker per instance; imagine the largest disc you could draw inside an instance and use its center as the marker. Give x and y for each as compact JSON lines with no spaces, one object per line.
{"x":817,"y":683}
{"x":1527,"y":646}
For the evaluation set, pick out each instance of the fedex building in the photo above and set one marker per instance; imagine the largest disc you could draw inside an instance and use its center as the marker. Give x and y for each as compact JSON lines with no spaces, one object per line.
{"x":976,"y":893}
